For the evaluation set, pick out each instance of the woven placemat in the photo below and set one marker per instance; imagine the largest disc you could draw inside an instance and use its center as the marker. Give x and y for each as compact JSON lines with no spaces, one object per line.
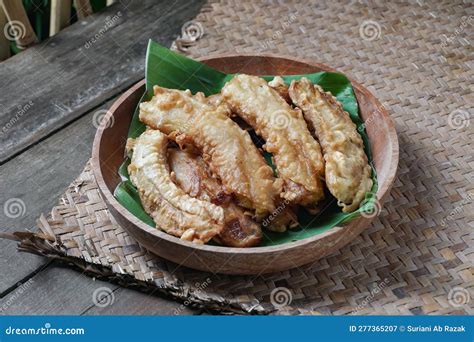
{"x":417,"y":257}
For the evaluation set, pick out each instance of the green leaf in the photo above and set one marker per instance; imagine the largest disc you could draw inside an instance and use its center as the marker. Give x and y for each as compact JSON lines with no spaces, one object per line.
{"x":171,"y":70}
{"x":127,"y":195}
{"x":136,"y":126}
{"x":123,"y":170}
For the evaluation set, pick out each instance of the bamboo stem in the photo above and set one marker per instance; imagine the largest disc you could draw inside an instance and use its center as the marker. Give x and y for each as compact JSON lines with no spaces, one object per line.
{"x":19,"y":27}
{"x":4,"y":42}
{"x":60,"y":15}
{"x":83,"y":8}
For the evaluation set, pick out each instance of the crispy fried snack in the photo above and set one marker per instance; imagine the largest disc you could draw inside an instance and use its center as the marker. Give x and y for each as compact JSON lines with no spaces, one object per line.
{"x":278,"y":84}
{"x":282,"y":218}
{"x":348,"y":174}
{"x":228,"y":149}
{"x":173,"y":211}
{"x":192,"y":175}
{"x":296,"y":153}
{"x":217,"y":101}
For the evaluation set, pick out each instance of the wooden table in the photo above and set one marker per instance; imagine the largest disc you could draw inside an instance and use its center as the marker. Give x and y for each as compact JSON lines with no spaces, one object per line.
{"x":48,"y":97}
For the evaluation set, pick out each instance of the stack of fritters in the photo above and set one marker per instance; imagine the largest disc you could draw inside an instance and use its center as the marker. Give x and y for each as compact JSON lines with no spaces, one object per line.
{"x":212,"y":182}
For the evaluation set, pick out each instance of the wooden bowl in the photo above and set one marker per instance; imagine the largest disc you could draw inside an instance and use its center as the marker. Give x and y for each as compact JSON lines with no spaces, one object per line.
{"x":108,"y":154}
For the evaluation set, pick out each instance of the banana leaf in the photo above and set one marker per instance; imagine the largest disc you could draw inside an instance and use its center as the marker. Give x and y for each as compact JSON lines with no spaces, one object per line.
{"x":172,"y":70}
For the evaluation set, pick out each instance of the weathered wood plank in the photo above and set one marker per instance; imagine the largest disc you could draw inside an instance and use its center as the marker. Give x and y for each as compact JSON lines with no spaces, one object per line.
{"x":62,"y":291}
{"x":49,"y":167}
{"x":14,"y":267}
{"x":74,"y":81}
{"x":50,"y":84}
{"x":33,"y":181}
{"x":55,"y":291}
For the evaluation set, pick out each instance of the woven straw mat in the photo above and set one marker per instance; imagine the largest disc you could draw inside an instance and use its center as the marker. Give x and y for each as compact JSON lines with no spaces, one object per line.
{"x":417,"y":256}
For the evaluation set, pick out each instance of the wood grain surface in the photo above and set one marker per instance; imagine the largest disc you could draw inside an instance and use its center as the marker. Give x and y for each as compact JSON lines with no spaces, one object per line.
{"x":49,"y":94}
{"x":419,"y":75}
{"x":54,"y":82}
{"x":38,"y":177}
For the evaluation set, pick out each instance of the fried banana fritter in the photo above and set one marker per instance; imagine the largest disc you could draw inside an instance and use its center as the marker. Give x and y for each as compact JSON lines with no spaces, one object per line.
{"x":192,"y":175}
{"x":228,"y":149}
{"x":173,"y":211}
{"x":278,"y":84}
{"x":297,"y":155}
{"x":348,"y":174}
